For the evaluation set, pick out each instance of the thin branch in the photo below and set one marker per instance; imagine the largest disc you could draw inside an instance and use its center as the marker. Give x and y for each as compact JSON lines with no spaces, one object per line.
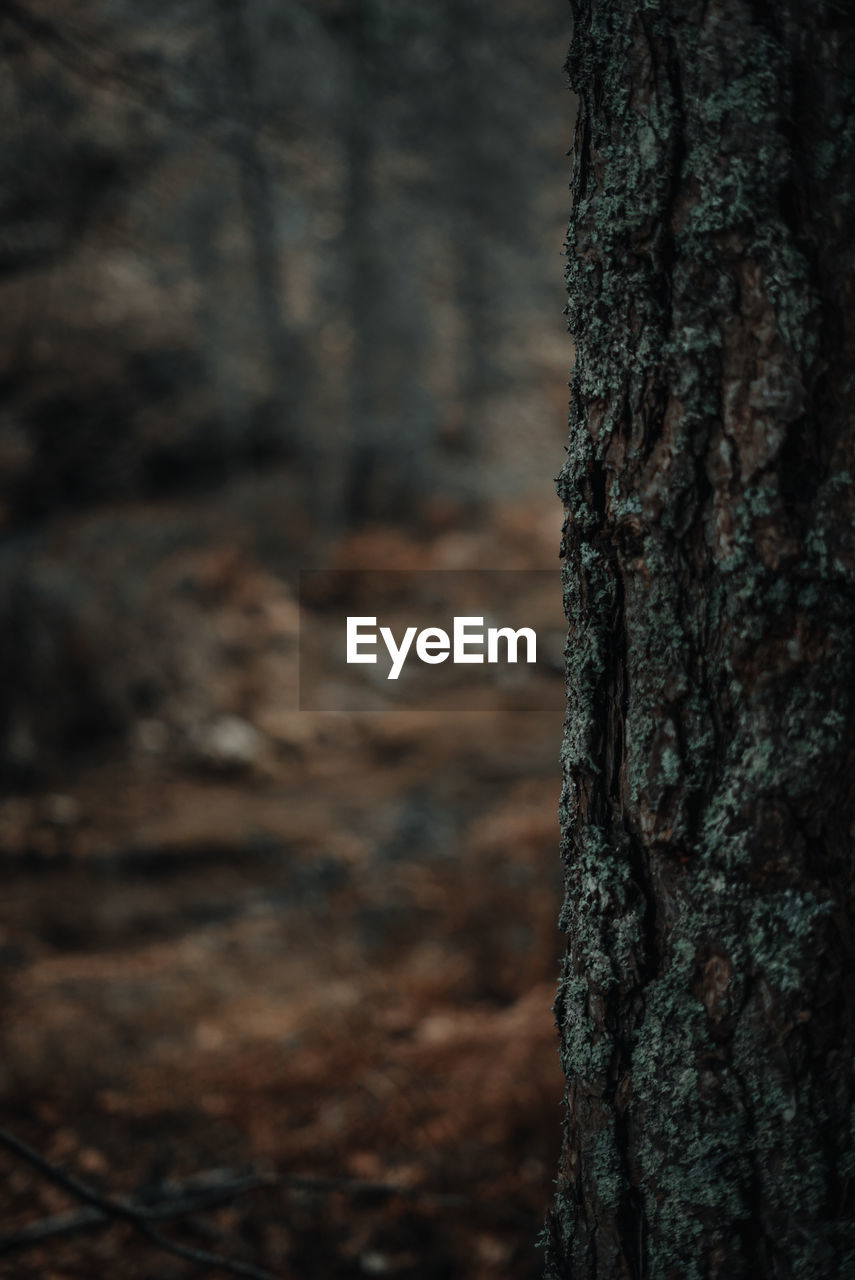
{"x":76,"y":55}
{"x":122,"y":1211}
{"x":171,"y":1200}
{"x":196,"y":1194}
{"x":208,"y":1191}
{"x":80,"y":56}
{"x":181,"y":1200}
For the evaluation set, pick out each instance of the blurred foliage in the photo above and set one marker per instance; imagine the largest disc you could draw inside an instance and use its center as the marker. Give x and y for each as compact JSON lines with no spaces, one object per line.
{"x":280,"y":287}
{"x":319,"y":237}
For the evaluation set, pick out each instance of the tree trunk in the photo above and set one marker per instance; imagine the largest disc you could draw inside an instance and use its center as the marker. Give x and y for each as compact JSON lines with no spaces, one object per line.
{"x":286,"y":352}
{"x":473,"y":184}
{"x":706,"y":1007}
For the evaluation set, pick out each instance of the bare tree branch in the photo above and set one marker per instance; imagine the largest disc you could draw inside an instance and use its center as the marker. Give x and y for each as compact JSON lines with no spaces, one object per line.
{"x":171,"y":1200}
{"x":196,"y":1194}
{"x":86,"y":56}
{"x":138,"y":1217}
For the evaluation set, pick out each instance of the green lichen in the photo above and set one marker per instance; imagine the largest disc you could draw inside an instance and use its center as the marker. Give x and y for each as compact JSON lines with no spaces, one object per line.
{"x":709,"y":685}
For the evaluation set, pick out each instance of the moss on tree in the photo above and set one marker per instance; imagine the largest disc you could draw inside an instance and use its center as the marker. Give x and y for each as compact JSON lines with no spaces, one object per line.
{"x":709,"y":581}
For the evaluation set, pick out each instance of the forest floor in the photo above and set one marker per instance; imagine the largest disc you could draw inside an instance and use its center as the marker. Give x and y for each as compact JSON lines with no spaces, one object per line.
{"x":314,"y":944}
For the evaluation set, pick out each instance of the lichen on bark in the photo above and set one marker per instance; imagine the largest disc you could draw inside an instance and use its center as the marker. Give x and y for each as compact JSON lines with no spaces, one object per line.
{"x":708,"y":806}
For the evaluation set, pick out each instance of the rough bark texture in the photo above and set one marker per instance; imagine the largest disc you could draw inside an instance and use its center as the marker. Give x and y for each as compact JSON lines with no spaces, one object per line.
{"x":706,"y":1008}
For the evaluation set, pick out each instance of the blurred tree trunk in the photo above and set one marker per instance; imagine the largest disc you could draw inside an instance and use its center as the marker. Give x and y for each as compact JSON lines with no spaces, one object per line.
{"x":391,"y":417}
{"x":286,"y":353}
{"x":706,"y":1009}
{"x":364,"y":290}
{"x":474,"y":191}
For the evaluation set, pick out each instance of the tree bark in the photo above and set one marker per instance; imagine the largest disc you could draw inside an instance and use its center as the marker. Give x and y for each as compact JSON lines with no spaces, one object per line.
{"x":708,"y":812}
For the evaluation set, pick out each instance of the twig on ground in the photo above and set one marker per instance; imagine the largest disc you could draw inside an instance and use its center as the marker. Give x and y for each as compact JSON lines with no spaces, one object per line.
{"x":203,"y":1191}
{"x":171,"y":1200}
{"x":138,"y":1217}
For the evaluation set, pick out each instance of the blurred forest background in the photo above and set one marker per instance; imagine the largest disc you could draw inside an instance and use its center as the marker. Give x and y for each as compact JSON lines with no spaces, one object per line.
{"x":280,"y":288}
